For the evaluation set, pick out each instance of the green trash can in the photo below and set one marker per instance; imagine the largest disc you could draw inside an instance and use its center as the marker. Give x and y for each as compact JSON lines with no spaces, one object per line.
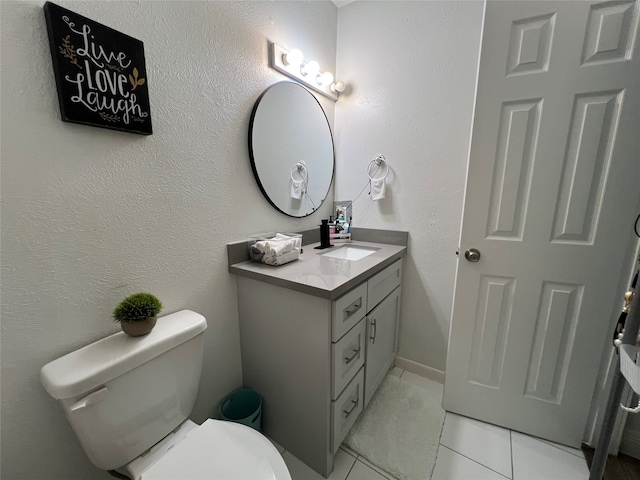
{"x":243,"y":406}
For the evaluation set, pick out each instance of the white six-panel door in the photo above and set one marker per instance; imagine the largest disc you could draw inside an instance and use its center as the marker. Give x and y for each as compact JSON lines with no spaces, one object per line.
{"x":553,"y":179}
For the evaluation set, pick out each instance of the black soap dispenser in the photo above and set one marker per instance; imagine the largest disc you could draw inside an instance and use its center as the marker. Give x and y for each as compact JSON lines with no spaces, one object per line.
{"x":325,"y":241}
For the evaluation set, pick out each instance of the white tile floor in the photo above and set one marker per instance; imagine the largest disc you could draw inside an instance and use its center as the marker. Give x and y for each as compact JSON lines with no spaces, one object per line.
{"x":469,"y":450}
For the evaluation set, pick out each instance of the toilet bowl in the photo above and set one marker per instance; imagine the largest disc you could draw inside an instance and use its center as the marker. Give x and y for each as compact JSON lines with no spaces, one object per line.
{"x":128,"y":401}
{"x":216,"y":450}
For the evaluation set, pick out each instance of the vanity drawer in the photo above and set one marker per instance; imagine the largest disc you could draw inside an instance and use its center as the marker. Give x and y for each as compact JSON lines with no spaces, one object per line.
{"x":348,"y":310}
{"x":348,"y":356}
{"x":345,"y":410}
{"x":383,"y":283}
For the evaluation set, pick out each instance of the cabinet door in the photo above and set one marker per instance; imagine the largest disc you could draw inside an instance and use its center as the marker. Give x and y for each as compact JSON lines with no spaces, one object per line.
{"x":381,"y":342}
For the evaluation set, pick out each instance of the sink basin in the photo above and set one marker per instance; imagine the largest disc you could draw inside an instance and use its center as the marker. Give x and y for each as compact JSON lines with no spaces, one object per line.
{"x":349,"y":252}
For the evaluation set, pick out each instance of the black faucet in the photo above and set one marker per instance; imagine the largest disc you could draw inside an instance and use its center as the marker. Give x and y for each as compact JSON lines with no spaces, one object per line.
{"x":325,"y":240}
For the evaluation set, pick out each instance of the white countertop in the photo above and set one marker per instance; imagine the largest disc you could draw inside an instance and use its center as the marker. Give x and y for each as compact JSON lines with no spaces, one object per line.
{"x":320,"y":275}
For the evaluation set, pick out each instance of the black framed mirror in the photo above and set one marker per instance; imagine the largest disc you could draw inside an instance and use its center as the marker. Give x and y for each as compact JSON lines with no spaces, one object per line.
{"x":291,"y":149}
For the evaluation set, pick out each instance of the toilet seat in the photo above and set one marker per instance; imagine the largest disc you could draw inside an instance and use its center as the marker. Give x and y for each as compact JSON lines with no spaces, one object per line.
{"x":220,"y":450}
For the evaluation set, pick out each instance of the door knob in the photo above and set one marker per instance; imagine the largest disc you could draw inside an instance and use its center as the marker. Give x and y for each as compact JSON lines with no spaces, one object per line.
{"x":473,"y":255}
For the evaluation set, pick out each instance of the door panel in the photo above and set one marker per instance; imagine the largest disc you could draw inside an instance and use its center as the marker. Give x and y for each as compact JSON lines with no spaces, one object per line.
{"x":489,"y":341}
{"x":553,"y":180}
{"x":517,"y":138}
{"x":586,"y":163}
{"x":556,"y":322}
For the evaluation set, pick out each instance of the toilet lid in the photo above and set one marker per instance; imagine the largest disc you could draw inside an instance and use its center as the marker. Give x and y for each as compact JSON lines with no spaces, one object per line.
{"x":220,"y":450}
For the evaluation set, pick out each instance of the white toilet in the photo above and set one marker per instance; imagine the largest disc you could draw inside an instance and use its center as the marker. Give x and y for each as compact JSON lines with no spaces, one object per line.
{"x":128,"y":400}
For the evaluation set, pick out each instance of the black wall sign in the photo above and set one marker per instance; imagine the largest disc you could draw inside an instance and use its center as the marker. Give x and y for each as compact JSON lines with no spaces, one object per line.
{"x":100,"y":73}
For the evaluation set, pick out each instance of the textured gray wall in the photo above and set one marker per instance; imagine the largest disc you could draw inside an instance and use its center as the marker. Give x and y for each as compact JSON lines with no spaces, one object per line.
{"x":412,"y":67}
{"x":91,"y":215}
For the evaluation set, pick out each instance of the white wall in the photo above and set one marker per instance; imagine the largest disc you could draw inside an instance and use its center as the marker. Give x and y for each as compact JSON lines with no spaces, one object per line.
{"x":411,"y":67}
{"x":91,"y":215}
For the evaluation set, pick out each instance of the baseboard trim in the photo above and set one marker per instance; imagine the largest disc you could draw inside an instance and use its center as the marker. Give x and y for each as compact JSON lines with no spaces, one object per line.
{"x":420,"y":369}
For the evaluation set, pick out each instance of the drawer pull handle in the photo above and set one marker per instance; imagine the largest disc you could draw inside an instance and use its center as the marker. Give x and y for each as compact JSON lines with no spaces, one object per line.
{"x":355,"y":308}
{"x":374,"y":326}
{"x":348,"y":360}
{"x":353,"y":407}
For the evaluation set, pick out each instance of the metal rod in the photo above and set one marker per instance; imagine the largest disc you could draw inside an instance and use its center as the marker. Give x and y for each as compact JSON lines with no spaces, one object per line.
{"x":631,"y":328}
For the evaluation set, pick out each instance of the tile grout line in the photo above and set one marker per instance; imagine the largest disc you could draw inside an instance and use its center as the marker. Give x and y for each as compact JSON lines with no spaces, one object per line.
{"x":353,"y":464}
{"x":433,"y":467}
{"x":350,"y":452}
{"x":475,"y":461}
{"x":439,"y":445}
{"x":511,"y":451}
{"x":351,"y":468}
{"x":561,"y":449}
{"x":370,"y":465}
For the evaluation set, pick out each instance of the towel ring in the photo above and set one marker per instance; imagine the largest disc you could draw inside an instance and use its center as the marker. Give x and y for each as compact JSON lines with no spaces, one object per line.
{"x":302,"y":171}
{"x":379,"y":162}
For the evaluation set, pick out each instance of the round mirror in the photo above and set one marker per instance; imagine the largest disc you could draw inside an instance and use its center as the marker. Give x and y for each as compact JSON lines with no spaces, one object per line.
{"x":291,"y":149}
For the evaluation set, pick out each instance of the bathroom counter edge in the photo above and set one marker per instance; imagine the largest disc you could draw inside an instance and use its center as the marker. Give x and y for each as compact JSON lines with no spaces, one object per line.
{"x":338,"y":276}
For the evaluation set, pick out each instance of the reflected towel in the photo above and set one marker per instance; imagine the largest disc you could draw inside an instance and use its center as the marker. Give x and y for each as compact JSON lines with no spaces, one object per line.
{"x":296,"y":189}
{"x":378,"y":188}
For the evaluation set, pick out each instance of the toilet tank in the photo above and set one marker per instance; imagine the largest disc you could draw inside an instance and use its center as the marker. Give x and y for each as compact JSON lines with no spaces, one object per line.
{"x":123,"y":394}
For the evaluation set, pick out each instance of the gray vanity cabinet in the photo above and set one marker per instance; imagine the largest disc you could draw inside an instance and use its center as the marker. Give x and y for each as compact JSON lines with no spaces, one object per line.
{"x":317,"y":362}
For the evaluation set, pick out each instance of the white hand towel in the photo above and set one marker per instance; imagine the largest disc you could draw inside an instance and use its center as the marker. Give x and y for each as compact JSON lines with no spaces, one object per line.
{"x":279,"y":249}
{"x":273,"y":248}
{"x":278,"y":245}
{"x":297,"y":241}
{"x":282,"y":259}
{"x":378,"y":188}
{"x":296,"y":189}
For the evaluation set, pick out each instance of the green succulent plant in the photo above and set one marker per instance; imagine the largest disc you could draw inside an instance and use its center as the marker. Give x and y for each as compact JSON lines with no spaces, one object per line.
{"x":138,"y":307}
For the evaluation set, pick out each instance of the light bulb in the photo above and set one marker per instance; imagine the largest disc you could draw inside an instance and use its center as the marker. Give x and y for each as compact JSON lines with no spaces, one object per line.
{"x":293,"y":57}
{"x":325,"y":78}
{"x":338,"y":87}
{"x":310,"y":69}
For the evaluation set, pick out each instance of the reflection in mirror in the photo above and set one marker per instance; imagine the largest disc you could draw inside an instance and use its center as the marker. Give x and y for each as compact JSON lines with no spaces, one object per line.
{"x":291,"y":149}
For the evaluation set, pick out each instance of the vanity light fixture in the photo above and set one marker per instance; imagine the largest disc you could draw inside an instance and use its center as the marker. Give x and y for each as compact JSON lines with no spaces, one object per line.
{"x":310,"y":69}
{"x":293,"y":57}
{"x":337,"y":87}
{"x":291,"y":63}
{"x":325,"y":78}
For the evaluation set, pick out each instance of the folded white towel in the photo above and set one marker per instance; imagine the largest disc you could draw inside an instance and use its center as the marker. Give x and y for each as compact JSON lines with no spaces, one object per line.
{"x":297,"y":241}
{"x":378,"y":188}
{"x":283,"y":258}
{"x":278,"y":246}
{"x":273,"y":248}
{"x":297,"y":187}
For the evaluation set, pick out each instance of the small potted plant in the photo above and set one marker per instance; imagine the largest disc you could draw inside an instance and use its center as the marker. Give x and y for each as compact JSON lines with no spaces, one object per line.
{"x":137,"y":314}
